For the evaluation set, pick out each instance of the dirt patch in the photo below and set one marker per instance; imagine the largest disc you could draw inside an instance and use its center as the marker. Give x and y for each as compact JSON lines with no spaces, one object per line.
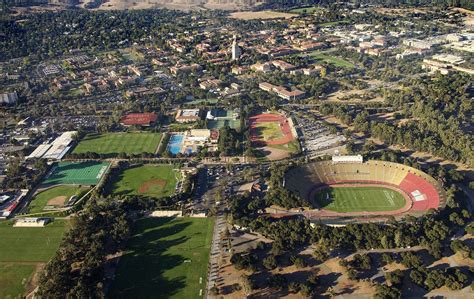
{"x":33,"y":282}
{"x":57,"y":201}
{"x":145,"y":187}
{"x":261,"y":15}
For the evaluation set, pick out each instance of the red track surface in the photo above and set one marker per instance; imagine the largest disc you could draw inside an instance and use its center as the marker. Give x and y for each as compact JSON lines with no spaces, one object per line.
{"x":284,"y":127}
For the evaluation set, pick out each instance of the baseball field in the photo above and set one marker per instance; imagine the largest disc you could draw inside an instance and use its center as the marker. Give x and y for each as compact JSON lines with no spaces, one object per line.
{"x":359,"y":199}
{"x":56,"y":196}
{"x":165,"y":258}
{"x":149,"y":180}
{"x":23,"y":251}
{"x":72,"y":173}
{"x":115,"y":143}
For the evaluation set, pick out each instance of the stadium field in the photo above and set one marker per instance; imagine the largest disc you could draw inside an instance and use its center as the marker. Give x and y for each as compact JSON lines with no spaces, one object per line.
{"x":149,"y":180}
{"x":359,"y":199}
{"x":56,"y":196}
{"x":269,"y":130}
{"x":82,"y":173}
{"x":22,"y":251}
{"x":115,"y":143}
{"x":165,"y":258}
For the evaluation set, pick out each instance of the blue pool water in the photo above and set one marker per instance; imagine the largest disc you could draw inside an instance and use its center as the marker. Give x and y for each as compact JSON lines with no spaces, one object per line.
{"x":175,"y":144}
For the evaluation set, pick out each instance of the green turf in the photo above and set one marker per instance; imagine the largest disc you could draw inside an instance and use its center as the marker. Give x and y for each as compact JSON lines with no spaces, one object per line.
{"x":165,"y":258}
{"x":14,"y":278}
{"x":269,"y":130}
{"x":326,"y":57}
{"x":82,"y":173}
{"x":308,"y":10}
{"x":358,"y":199}
{"x":292,"y":147}
{"x":41,"y":199}
{"x":21,"y":250}
{"x":132,"y":179}
{"x":115,"y":143}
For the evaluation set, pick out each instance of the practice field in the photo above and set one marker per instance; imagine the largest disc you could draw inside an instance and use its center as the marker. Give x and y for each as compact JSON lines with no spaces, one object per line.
{"x":269,"y":130}
{"x":327,"y":57}
{"x":149,"y":180}
{"x":115,"y":143}
{"x":82,"y":173}
{"x":22,"y":251}
{"x":359,"y":199}
{"x":56,"y":196}
{"x":165,"y":258}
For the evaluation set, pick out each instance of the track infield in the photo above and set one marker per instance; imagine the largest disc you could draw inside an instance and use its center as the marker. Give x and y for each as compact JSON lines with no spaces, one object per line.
{"x":115,"y":143}
{"x":165,"y":258}
{"x":22,"y":251}
{"x":71,"y":173}
{"x":149,"y":180}
{"x":346,"y":199}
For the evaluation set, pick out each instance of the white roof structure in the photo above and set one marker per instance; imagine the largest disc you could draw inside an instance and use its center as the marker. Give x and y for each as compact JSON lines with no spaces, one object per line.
{"x":39,"y":151}
{"x":57,"y":149}
{"x":348,"y":159}
{"x":169,"y":213}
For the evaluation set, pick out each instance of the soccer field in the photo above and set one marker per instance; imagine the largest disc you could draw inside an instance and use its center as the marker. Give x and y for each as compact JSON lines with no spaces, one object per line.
{"x":165,"y":258}
{"x":269,"y":130}
{"x":149,"y":180}
{"x":115,"y":143}
{"x":359,"y":199}
{"x":56,"y":196}
{"x":71,"y":173}
{"x":22,"y":250}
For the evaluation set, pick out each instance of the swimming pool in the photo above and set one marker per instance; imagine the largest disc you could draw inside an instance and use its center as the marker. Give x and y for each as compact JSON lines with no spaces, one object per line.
{"x":175,"y":143}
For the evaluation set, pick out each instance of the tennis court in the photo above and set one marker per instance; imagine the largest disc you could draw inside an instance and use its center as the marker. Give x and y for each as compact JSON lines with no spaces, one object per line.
{"x":72,"y":173}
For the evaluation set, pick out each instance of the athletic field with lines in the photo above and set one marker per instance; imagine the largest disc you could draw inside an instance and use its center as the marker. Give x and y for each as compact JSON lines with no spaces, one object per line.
{"x":158,"y":180}
{"x":359,"y":199}
{"x":116,"y":143}
{"x":23,"y":251}
{"x":72,"y":173}
{"x":165,"y":258}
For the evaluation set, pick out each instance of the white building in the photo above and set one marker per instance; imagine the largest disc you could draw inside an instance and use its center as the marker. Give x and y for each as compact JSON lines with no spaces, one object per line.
{"x":347,"y":159}
{"x":236,"y":51}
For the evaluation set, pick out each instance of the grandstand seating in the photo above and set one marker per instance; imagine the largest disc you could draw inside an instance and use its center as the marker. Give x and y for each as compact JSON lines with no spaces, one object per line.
{"x":425,"y":192}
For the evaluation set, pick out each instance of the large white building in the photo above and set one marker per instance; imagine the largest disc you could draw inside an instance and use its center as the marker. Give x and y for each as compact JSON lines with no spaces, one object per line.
{"x":236,"y":51}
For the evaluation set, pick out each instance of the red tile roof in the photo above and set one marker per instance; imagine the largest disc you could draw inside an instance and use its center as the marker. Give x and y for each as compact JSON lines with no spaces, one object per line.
{"x":143,"y":119}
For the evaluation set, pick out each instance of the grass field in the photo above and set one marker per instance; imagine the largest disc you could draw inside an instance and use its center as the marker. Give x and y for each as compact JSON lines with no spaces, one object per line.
{"x":292,"y":147}
{"x":165,"y":258}
{"x":149,"y":180}
{"x":269,"y":130}
{"x":115,"y":143}
{"x":358,"y":199}
{"x":45,"y":198}
{"x":326,"y":57}
{"x":308,"y":10}
{"x":82,"y":173}
{"x":22,"y":250}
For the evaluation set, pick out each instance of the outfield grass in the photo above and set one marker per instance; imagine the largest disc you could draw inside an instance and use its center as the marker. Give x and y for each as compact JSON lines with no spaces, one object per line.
{"x":149,"y":180}
{"x":71,"y":173}
{"x":41,"y":199}
{"x":165,"y":258}
{"x":269,"y":130}
{"x":359,"y":199}
{"x":22,"y":250}
{"x":115,"y":143}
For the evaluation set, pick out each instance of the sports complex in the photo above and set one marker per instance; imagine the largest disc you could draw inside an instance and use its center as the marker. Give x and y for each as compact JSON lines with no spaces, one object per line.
{"x":364,"y":189}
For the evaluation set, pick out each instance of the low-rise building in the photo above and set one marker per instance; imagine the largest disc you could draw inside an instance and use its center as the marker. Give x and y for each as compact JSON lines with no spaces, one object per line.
{"x":188,"y":115}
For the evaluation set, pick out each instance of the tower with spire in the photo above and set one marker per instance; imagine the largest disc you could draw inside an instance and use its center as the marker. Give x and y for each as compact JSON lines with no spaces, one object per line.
{"x":236,"y":51}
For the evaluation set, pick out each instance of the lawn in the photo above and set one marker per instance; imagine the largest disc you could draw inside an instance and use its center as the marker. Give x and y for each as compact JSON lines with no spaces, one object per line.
{"x":359,"y":199}
{"x":115,"y":143}
{"x":308,"y":10}
{"x":292,"y":147}
{"x":165,"y":258}
{"x":53,"y":196}
{"x":22,"y":250}
{"x":269,"y":130}
{"x":149,"y":180}
{"x":82,"y":173}
{"x":324,"y":56}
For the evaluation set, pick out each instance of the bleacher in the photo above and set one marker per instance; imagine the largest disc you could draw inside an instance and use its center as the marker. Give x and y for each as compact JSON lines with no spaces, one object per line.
{"x":425,"y":192}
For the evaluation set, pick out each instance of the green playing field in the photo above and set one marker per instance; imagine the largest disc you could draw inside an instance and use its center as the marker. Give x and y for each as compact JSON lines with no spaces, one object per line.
{"x":115,"y":143}
{"x":269,"y":130}
{"x":165,"y":258}
{"x":22,"y":250}
{"x":149,"y":180}
{"x":359,"y":199}
{"x":71,"y":173}
{"x":47,"y":197}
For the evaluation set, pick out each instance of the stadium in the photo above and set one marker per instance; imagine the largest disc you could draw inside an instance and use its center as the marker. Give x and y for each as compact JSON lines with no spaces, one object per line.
{"x":348,"y":187}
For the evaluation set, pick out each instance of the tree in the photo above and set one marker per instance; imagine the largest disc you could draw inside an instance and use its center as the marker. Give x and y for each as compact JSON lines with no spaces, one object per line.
{"x":270,"y":262}
{"x":246,"y":284}
{"x":385,"y":292}
{"x":395,"y":277}
{"x":276,"y":281}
